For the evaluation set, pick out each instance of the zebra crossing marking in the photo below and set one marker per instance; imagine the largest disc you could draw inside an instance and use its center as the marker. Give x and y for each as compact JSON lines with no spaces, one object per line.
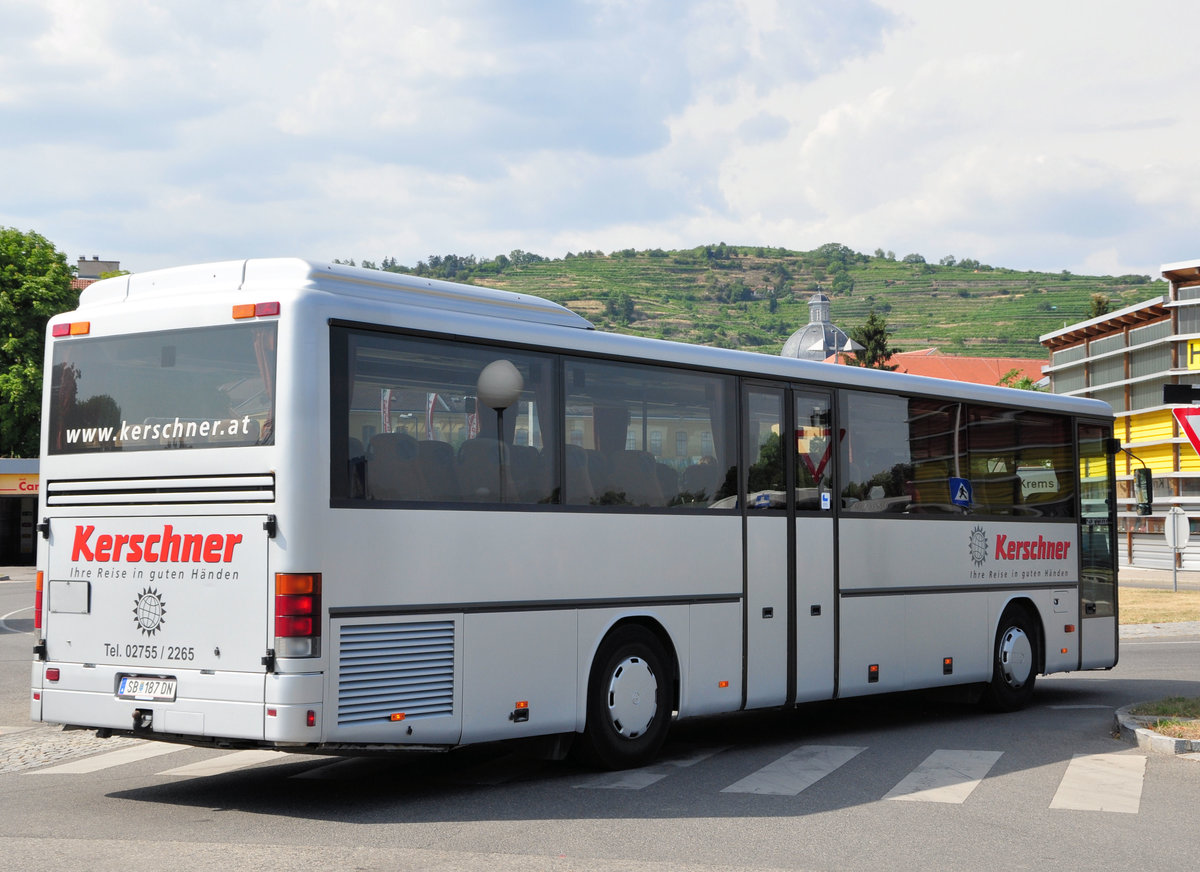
{"x":230,"y":762}
{"x":945,"y":776}
{"x":1102,"y":782}
{"x":131,"y":754}
{"x":1096,"y":782}
{"x":796,"y":771}
{"x":636,"y":779}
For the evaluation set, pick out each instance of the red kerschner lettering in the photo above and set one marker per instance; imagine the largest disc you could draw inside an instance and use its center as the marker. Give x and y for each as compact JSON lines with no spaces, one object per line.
{"x":165,"y":547}
{"x":1031,"y":549}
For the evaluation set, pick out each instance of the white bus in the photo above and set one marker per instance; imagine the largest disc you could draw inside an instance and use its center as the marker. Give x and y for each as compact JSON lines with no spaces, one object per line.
{"x":313,"y":507}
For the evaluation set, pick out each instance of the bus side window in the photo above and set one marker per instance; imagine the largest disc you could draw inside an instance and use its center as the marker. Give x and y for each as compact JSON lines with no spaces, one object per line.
{"x":640,"y":436}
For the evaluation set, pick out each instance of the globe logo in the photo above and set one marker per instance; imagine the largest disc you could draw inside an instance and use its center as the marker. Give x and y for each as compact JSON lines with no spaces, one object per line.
{"x":148,"y":611}
{"x":978,"y":546}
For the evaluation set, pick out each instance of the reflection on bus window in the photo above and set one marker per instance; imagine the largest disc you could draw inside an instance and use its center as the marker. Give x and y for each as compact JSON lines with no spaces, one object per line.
{"x":418,"y":427}
{"x":920,"y":456}
{"x":1097,"y":577}
{"x":1021,"y":463}
{"x":814,"y":452}
{"x":418,"y":431}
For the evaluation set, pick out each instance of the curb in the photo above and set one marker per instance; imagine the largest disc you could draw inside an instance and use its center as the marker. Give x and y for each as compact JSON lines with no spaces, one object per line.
{"x":1132,"y":728}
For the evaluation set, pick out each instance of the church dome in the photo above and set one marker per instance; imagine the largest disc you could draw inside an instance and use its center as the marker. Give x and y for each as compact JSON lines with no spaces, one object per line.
{"x":820,"y":337}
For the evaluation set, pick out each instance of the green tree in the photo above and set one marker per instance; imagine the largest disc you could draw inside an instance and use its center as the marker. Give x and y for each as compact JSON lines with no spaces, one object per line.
{"x":1010,"y":380}
{"x":873,"y":337}
{"x":620,"y":307}
{"x":35,"y":283}
{"x":1098,"y":306}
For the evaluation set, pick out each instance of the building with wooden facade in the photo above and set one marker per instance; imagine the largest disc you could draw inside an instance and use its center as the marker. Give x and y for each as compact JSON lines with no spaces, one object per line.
{"x":1125,"y":358}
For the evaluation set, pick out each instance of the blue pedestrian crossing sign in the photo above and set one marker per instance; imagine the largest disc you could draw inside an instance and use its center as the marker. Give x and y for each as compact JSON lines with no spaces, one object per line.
{"x":960,"y":492}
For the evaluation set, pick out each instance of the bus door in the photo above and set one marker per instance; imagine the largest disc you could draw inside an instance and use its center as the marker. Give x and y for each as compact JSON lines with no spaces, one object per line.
{"x":1097,"y":551}
{"x":787,"y":482}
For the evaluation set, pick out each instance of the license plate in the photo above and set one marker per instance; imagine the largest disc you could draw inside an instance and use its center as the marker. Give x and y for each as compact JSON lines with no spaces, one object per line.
{"x":160,"y":689}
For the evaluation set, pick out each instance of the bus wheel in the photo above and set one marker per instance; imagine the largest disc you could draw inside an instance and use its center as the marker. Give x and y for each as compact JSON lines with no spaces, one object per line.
{"x":628,"y":701}
{"x":1014,"y":662}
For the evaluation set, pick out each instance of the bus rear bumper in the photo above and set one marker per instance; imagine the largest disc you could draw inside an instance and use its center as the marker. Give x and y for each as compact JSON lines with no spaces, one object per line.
{"x":251,"y":707}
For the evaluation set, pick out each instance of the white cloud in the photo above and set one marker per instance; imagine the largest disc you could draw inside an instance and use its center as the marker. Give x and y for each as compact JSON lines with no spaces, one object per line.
{"x":1028,"y":135}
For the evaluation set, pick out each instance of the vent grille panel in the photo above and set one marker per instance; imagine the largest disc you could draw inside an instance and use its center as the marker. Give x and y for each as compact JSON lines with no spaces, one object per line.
{"x":252,"y":488}
{"x":401,"y":668}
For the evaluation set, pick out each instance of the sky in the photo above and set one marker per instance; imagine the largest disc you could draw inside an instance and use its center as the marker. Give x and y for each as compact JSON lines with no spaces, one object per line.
{"x":1049,"y":135}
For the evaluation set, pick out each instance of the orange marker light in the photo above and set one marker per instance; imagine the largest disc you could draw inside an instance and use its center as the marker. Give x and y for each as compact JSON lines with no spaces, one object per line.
{"x":255,"y":310}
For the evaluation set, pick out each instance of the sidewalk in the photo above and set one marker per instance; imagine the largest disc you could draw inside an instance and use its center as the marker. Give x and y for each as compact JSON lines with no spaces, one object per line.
{"x":17,"y":573}
{"x":1136,"y":576}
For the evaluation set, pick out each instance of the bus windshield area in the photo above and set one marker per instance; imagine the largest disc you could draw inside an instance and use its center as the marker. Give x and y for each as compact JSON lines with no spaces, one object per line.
{"x":207,"y":387}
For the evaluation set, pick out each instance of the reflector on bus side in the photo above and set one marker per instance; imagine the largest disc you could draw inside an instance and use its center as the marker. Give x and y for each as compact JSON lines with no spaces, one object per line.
{"x":255,"y":310}
{"x":75,"y":328}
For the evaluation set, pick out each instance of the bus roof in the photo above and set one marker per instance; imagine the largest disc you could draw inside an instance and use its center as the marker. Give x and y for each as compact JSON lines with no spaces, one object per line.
{"x":268,"y":274}
{"x":544,"y":324}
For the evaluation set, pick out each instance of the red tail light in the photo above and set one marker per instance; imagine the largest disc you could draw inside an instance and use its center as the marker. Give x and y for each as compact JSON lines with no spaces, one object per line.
{"x":297,"y":614}
{"x":37,"y":602}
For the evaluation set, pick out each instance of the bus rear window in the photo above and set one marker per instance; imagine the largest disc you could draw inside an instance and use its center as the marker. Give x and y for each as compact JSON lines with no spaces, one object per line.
{"x":209,"y":387}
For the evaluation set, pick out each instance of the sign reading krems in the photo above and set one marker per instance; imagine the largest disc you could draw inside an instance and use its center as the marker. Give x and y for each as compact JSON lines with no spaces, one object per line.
{"x":168,"y":593}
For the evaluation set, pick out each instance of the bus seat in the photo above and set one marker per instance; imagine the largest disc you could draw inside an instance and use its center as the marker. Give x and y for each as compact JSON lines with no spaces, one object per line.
{"x":356,"y":468}
{"x":392,"y":469}
{"x":439,"y":478}
{"x":479,"y":471}
{"x":668,"y":482}
{"x":700,"y":482}
{"x":578,"y":482}
{"x":597,"y":471}
{"x":633,"y":475}
{"x":529,"y":473}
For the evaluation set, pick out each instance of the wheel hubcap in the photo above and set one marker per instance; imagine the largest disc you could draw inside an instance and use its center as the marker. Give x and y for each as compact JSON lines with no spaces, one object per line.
{"x":1016,"y":657}
{"x":632,"y":697}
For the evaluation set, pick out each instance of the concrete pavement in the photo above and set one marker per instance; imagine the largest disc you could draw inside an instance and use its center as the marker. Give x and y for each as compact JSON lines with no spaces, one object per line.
{"x":17,"y":573}
{"x":1136,"y":576}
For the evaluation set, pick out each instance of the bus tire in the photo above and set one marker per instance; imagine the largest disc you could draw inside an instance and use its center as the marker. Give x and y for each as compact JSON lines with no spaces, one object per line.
{"x":628,"y":700}
{"x":1014,"y":661}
